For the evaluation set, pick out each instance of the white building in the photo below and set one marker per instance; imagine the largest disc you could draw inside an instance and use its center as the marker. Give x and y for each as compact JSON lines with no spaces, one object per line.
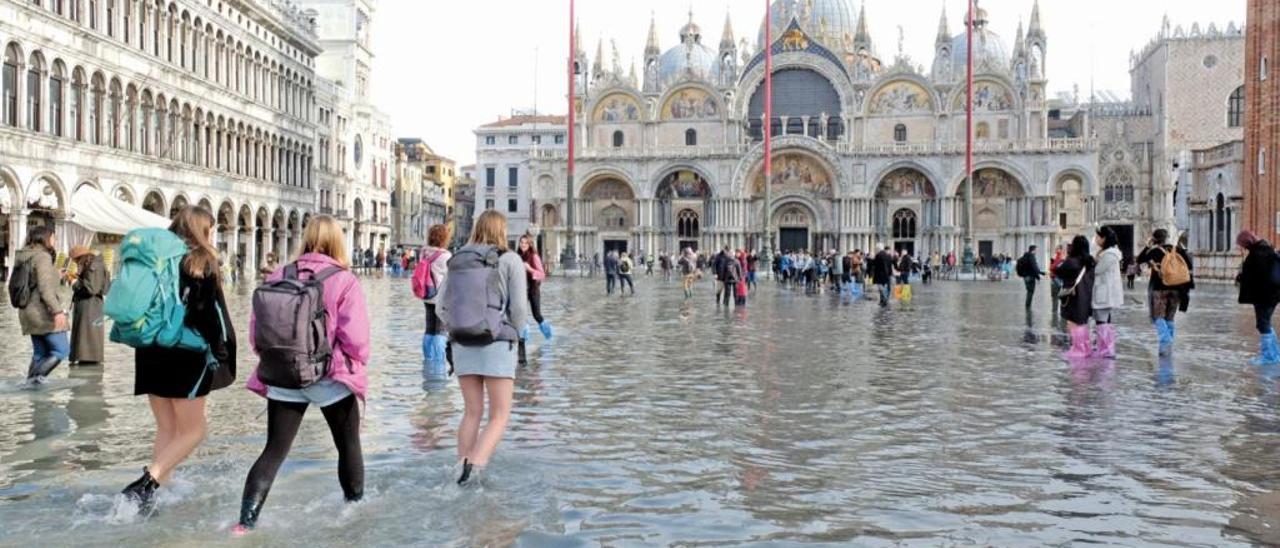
{"x":161,"y":104}
{"x":359,"y":149}
{"x":504,"y":150}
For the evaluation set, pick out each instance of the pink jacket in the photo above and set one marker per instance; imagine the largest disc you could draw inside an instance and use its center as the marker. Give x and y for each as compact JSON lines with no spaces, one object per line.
{"x":538,"y":274}
{"x":348,"y":327}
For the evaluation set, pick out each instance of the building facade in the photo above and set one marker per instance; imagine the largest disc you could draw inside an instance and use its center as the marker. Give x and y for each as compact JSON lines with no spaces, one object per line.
{"x":505,"y":155}
{"x":1215,"y":204}
{"x":359,"y":152}
{"x":1262,"y":121}
{"x":425,"y":194}
{"x":866,"y":151}
{"x":1187,"y":99}
{"x":464,"y":204}
{"x":162,"y":105}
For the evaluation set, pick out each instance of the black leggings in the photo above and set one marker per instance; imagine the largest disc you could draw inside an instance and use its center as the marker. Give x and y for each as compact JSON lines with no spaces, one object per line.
{"x":283,"y":420}
{"x":535,"y":300}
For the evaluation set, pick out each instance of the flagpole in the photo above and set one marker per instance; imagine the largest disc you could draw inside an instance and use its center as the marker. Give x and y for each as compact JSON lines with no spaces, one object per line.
{"x":767,"y":240}
{"x":968,"y":142}
{"x":568,"y":257}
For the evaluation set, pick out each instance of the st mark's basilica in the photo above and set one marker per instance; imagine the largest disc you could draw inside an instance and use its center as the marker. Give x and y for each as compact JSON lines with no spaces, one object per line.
{"x":869,"y":148}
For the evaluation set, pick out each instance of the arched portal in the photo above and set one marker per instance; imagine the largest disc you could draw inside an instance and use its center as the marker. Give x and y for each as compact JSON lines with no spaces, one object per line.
{"x":796,"y":224}
{"x":10,"y":199}
{"x":683,"y":198}
{"x":610,"y":205}
{"x":47,"y":202}
{"x":902,"y":196}
{"x":1003,"y":214}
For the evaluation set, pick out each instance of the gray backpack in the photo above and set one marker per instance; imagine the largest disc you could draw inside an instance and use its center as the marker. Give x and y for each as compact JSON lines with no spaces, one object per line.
{"x":292,"y":329}
{"x":473,"y":298}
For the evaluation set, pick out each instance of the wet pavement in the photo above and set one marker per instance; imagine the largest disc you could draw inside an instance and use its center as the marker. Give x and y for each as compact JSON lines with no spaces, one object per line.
{"x":652,"y":420}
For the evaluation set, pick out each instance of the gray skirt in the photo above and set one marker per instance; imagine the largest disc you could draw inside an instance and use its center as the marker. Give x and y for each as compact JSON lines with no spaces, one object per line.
{"x":496,"y":359}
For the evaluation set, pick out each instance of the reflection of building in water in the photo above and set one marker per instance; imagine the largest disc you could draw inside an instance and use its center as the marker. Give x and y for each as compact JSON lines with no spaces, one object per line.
{"x":867,"y":150}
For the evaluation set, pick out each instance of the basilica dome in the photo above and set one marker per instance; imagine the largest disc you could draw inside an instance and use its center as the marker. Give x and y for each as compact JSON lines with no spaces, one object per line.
{"x":831,"y":22}
{"x":690,"y":57}
{"x":988,"y":48}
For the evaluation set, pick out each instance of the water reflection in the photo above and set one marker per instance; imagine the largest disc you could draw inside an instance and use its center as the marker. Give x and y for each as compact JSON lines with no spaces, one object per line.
{"x":660,"y":420}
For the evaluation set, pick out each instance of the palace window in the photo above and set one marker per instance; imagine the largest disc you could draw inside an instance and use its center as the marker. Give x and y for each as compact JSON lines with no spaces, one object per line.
{"x":9,"y":81}
{"x":559,"y":139}
{"x":512,"y":205}
{"x":513,"y":139}
{"x":490,"y":140}
{"x":690,"y":137}
{"x":34,"y":93}
{"x":900,"y":133}
{"x":617,"y":139}
{"x":513,"y":177}
{"x":1235,"y":108}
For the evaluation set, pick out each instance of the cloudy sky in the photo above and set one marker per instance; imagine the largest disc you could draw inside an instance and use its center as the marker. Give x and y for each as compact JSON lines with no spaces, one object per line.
{"x":444,"y":67}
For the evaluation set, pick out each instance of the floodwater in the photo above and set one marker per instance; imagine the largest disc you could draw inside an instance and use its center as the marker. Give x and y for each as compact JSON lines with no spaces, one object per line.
{"x":655,"y":421}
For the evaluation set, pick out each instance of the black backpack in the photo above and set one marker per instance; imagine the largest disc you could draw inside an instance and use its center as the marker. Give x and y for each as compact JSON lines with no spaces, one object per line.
{"x":1023,"y":267}
{"x":22,"y":284}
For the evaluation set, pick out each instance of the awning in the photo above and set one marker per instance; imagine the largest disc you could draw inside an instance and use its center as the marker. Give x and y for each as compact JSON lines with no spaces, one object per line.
{"x":95,"y":211}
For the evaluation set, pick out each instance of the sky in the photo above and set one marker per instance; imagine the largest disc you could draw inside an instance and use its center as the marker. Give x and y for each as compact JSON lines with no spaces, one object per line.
{"x":444,"y":67}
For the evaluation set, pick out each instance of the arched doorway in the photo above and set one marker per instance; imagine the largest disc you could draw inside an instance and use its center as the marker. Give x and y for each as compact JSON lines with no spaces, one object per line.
{"x":795,"y":225}
{"x":1003,"y":214}
{"x":683,"y":200}
{"x":610,"y":204}
{"x":802,"y":177}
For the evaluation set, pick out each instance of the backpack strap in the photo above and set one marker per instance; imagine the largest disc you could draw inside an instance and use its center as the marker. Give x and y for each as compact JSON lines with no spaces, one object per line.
{"x":326,"y":273}
{"x":291,"y":271}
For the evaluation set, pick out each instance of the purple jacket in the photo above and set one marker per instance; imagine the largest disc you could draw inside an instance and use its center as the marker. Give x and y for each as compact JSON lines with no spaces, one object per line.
{"x":348,"y":326}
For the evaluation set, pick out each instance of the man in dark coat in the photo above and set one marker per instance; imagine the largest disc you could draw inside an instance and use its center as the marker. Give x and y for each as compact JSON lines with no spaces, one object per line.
{"x":1258,"y":289}
{"x":611,"y":266}
{"x":882,"y":274}
{"x":718,"y":266}
{"x":1028,"y":268}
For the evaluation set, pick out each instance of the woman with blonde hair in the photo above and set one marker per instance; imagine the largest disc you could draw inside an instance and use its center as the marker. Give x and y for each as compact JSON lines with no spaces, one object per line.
{"x":324,"y":258}
{"x":167,"y":375}
{"x":485,"y":305}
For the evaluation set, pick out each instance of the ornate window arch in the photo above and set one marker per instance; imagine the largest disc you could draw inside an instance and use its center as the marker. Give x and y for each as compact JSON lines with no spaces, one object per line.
{"x":613,"y":217}
{"x":904,"y":224}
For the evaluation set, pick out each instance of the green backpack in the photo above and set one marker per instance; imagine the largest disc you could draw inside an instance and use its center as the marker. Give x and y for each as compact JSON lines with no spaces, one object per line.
{"x":145,"y":300}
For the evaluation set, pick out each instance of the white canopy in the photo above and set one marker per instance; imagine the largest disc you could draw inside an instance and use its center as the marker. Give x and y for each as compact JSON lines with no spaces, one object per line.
{"x":95,"y":211}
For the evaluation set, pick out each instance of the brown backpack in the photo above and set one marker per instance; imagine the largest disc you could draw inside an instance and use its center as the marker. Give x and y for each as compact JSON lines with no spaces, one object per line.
{"x":1173,"y":269}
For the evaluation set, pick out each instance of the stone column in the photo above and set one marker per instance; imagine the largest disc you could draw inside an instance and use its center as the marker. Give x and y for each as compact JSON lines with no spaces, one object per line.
{"x":250,"y":251}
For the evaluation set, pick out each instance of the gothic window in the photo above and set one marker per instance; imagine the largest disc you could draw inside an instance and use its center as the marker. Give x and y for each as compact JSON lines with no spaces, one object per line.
{"x":1235,"y":108}
{"x":904,"y":224}
{"x":687,"y":224}
{"x":617,"y":139}
{"x":900,"y":133}
{"x":1118,"y":186}
{"x":690,"y":137}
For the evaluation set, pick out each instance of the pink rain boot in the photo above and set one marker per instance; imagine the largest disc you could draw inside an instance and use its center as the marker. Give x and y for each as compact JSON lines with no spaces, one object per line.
{"x":1106,"y":347}
{"x":1079,"y":342}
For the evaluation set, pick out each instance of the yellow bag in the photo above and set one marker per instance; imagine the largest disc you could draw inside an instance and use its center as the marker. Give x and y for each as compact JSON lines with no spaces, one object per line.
{"x":905,"y":293}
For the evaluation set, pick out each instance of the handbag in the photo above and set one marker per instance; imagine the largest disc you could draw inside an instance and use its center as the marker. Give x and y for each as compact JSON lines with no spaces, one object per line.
{"x":1068,"y":293}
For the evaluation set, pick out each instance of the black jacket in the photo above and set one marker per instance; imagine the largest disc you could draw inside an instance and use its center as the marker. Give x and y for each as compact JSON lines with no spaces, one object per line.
{"x":1255,"y":276}
{"x":882,"y":268}
{"x":205,"y":303}
{"x":1078,"y":306}
{"x":1032,"y":266}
